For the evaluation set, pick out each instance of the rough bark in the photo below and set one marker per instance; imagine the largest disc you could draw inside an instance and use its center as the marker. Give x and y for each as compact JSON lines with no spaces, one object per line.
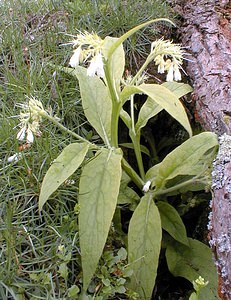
{"x":206,"y":34}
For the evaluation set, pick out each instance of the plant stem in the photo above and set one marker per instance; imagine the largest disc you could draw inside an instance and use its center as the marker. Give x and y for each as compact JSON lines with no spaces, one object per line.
{"x":139,"y":73}
{"x":63,"y":128}
{"x":175,"y":187}
{"x":132,"y":112}
{"x":136,"y":144}
{"x":109,"y":80}
{"x":136,"y":140}
{"x":132,"y":174}
{"x":116,"y":106}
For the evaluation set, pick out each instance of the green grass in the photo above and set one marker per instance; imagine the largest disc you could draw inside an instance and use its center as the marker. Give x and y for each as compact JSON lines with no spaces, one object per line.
{"x":31,"y":35}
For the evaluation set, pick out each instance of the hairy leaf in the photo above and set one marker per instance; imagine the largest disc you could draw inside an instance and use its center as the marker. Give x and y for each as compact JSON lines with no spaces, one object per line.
{"x":172,"y":223}
{"x":190,"y":159}
{"x":126,"y":194}
{"x":96,"y":101}
{"x":98,"y":192}
{"x":179,"y":89}
{"x":192,"y":262}
{"x":126,"y":118}
{"x":152,"y":173}
{"x":164,"y":98}
{"x":63,"y":167}
{"x":148,"y":110}
{"x":144,"y":241}
{"x":143,"y":148}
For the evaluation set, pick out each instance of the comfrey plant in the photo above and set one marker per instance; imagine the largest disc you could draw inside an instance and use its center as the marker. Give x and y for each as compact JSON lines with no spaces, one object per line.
{"x":105,"y":177}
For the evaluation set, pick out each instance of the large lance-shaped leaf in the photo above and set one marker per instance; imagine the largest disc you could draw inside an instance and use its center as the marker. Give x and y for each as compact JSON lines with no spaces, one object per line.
{"x":190,"y":158}
{"x":96,"y":101}
{"x":172,"y":223}
{"x":144,"y":241}
{"x":179,"y":89}
{"x":163,"y":97}
{"x":63,"y":167}
{"x":98,"y":192}
{"x":192,"y":262}
{"x":148,"y":110}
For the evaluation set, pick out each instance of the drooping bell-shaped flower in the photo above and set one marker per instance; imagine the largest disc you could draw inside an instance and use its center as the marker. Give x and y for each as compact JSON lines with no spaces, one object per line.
{"x":168,"y":57}
{"x":96,"y":66}
{"x":89,"y":48}
{"x":75,"y":59}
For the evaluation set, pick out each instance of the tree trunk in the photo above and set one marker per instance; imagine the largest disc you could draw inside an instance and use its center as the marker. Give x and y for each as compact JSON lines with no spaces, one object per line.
{"x":205,"y":33}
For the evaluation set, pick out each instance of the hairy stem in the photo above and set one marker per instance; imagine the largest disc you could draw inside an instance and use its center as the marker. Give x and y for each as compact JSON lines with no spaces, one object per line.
{"x":63,"y":128}
{"x":132,"y":174}
{"x":136,"y":144}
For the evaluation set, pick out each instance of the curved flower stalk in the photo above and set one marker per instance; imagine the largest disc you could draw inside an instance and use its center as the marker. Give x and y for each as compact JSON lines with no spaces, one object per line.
{"x":167,"y":56}
{"x":31,"y":115}
{"x":89,"y":46}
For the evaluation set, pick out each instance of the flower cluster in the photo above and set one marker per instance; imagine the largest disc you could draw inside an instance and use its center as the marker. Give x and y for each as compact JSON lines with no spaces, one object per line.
{"x":168,"y":57}
{"x":128,"y":79}
{"x":30,"y":119}
{"x":88,"y":46}
{"x":199,"y":283}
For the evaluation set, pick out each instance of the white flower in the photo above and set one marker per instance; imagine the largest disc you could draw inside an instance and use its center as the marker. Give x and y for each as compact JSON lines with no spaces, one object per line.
{"x":159,"y":60}
{"x":89,"y":47}
{"x":146,"y":186}
{"x":74,"y":61}
{"x":21,"y":134}
{"x":161,"y":68}
{"x":177,"y":74}
{"x":14,"y":158}
{"x":29,"y":136}
{"x":170,"y":73}
{"x":96,"y":66}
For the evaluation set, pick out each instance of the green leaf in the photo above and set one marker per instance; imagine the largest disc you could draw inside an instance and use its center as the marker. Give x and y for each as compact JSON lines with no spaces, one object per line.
{"x":193,"y":296}
{"x":172,"y":223}
{"x":164,"y":98}
{"x":64,"y":166}
{"x":125,"y":117}
{"x":98,"y":192}
{"x":73,"y":291}
{"x":96,"y":101}
{"x":144,"y":241}
{"x":63,"y":270}
{"x":148,"y":110}
{"x":190,"y":159}
{"x":126,"y":194}
{"x":152,"y":173}
{"x":179,"y":89}
{"x":116,"y":62}
{"x":192,"y":262}
{"x":131,"y":146}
